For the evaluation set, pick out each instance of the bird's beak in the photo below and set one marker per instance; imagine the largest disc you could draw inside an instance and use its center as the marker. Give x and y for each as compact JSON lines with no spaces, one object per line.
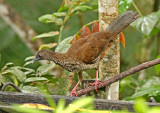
{"x":35,"y":59}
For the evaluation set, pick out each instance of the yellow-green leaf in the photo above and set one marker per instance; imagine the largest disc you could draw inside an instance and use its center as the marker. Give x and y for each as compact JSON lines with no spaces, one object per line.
{"x":50,"y":45}
{"x":50,"y":34}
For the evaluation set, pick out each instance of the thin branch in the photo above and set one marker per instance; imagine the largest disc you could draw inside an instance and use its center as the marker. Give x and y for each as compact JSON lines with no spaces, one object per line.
{"x":135,"y":6}
{"x":120,"y":76}
{"x":10,"y":84}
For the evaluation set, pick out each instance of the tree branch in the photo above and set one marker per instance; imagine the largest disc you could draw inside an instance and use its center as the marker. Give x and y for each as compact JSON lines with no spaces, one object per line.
{"x":120,"y":76}
{"x":10,"y":84}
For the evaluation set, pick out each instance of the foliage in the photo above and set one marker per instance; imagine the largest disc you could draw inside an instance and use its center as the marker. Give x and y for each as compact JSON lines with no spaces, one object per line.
{"x":29,"y":79}
{"x":148,"y":24}
{"x":80,"y":105}
{"x":85,"y":105}
{"x":146,"y":88}
{"x":124,"y":5}
{"x":21,"y":77}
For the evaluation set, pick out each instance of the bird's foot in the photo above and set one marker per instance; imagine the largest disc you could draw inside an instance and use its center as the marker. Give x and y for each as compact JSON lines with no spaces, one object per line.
{"x":73,"y":92}
{"x":96,"y":83}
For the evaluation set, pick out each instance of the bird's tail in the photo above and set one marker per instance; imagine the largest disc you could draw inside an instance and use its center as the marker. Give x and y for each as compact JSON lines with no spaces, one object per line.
{"x":122,"y":22}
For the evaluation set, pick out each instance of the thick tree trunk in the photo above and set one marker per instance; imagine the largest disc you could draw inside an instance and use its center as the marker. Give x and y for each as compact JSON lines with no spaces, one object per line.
{"x":110,"y":65}
{"x":25,"y":32}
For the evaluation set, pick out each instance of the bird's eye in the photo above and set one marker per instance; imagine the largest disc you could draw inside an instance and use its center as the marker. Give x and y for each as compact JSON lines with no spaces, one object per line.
{"x":40,"y":55}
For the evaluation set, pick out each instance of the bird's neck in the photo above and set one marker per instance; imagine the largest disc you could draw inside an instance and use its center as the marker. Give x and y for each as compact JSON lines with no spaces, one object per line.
{"x":55,"y":57}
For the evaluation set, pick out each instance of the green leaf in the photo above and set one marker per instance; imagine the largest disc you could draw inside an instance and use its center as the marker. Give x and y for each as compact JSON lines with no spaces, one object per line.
{"x":49,"y":18}
{"x":63,"y":8}
{"x":146,"y":24}
{"x":35,"y":79}
{"x":59,"y":14}
{"x":30,"y":89}
{"x":157,"y":67}
{"x":123,"y":5}
{"x":154,"y":110}
{"x":25,"y":70}
{"x":27,"y":110}
{"x":140,"y":106}
{"x":46,"y":46}
{"x":44,"y":69}
{"x":29,"y":58}
{"x":60,"y":106}
{"x":64,"y":45}
{"x":17,"y":72}
{"x":81,"y":103}
{"x":146,"y":91}
{"x":4,"y":79}
{"x":151,"y":81}
{"x":27,"y":63}
{"x":81,"y":8}
{"x":10,"y":64}
{"x":50,"y":34}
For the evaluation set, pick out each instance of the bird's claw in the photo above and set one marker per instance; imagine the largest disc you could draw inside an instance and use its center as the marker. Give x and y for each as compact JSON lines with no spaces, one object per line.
{"x":73,"y":92}
{"x":96,"y":83}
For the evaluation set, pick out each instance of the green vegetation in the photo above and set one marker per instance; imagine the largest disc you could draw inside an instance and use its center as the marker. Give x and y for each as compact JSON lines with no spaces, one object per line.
{"x":58,"y":25}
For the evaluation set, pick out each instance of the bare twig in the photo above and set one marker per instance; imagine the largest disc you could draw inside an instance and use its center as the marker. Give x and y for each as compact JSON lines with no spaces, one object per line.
{"x":10,"y":84}
{"x":120,"y":76}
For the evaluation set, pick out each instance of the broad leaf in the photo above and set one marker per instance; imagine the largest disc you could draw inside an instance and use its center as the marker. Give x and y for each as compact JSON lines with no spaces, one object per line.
{"x":44,"y":69}
{"x":17,"y":72}
{"x":25,"y":70}
{"x":35,"y":79}
{"x":64,"y":45}
{"x":123,"y":5}
{"x":4,"y":79}
{"x":146,"y":91}
{"x":145,"y":24}
{"x":151,"y":81}
{"x":30,"y":89}
{"x":50,"y":34}
{"x":49,"y":18}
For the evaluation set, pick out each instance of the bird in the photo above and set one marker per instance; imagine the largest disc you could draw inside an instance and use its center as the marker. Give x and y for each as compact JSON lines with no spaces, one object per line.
{"x":87,"y":52}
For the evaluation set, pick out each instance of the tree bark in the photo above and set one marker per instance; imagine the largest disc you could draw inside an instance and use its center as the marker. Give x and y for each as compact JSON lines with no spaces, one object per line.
{"x":110,"y":65}
{"x":25,"y":32}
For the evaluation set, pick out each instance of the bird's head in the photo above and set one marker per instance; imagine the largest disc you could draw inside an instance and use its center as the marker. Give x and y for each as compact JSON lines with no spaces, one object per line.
{"x":42,"y":55}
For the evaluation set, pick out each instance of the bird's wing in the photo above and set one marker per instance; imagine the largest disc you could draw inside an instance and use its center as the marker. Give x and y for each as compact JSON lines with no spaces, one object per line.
{"x":88,"y":49}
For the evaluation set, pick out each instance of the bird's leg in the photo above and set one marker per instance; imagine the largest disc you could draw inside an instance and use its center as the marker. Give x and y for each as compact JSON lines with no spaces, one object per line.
{"x":75,"y":88}
{"x":96,"y":81}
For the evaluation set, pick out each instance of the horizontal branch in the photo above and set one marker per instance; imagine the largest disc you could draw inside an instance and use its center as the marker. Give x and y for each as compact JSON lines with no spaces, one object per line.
{"x":120,"y":76}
